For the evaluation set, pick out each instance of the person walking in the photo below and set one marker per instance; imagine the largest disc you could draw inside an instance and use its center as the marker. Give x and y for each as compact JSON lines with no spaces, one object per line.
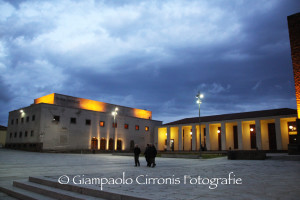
{"x":137,"y":152}
{"x":152,"y":154}
{"x":146,"y":154}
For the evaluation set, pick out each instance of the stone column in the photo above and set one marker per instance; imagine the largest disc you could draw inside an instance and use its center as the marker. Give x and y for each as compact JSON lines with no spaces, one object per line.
{"x":223,"y":135}
{"x":168,"y":138}
{"x":194,"y":138}
{"x":207,"y":136}
{"x":180,"y":147}
{"x":240,"y":134}
{"x":156,"y":137}
{"x":258,"y":134}
{"x":278,"y":134}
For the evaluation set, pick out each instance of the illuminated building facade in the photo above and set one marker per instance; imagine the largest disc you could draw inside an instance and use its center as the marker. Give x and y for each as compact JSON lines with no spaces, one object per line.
{"x":294,"y":32}
{"x":59,"y":122}
{"x":262,"y":130}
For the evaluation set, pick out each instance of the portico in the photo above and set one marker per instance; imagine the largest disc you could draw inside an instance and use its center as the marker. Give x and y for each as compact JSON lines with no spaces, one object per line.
{"x":258,"y":130}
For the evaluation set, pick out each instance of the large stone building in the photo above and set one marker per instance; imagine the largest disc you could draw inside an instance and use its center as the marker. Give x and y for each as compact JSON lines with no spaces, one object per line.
{"x":262,"y":130}
{"x":60,"y":122}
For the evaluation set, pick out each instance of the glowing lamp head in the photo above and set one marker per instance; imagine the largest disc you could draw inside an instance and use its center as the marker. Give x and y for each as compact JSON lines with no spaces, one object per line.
{"x":22,"y":111}
{"x":201,"y":96}
{"x":251,"y":129}
{"x":116,"y":109}
{"x":291,"y":127}
{"x":191,"y":133}
{"x":219,"y":131}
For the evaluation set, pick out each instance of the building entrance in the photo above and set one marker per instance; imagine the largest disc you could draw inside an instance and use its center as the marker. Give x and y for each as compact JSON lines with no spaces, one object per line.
{"x":102,"y":144}
{"x":272,"y":136}
{"x":252,"y":136}
{"x":94,"y":143}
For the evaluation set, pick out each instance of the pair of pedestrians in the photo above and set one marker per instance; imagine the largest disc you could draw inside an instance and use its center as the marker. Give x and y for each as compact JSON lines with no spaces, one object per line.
{"x":150,"y":154}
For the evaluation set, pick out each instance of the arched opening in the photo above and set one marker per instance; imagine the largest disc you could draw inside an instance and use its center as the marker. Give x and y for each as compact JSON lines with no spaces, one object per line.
{"x":119,"y":145}
{"x":94,"y":143}
{"x":111,"y":144}
{"x":102,"y":144}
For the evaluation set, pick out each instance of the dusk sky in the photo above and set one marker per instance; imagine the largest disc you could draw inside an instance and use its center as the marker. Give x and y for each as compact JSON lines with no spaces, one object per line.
{"x":153,"y":55}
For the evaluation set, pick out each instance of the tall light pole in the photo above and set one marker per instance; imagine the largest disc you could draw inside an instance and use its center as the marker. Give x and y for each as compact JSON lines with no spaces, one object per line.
{"x":199,"y":96}
{"x":114,"y":113}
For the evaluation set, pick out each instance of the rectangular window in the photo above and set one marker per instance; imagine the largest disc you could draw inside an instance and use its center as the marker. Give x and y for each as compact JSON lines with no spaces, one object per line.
{"x":73,"y":120}
{"x":17,"y":121}
{"x":56,"y":118}
{"x":20,"y":135}
{"x":33,"y":118}
{"x":12,"y":122}
{"x":146,"y":128}
{"x":25,"y":134}
{"x":22,"y":120}
{"x":27,"y":119}
{"x":137,"y":127}
{"x":15,"y":134}
{"x":102,"y":123}
{"x":87,"y":122}
{"x":32,"y":133}
{"x":126,"y":126}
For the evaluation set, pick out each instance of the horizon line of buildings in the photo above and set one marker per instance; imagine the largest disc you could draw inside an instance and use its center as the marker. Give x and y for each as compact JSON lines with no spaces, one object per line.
{"x":57,"y":122}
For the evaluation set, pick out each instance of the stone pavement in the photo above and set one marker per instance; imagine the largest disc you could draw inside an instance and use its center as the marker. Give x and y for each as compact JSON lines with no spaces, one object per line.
{"x":268,"y":179}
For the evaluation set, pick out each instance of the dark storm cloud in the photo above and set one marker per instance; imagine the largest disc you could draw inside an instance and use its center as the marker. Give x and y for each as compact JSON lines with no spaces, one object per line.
{"x":153,"y":55}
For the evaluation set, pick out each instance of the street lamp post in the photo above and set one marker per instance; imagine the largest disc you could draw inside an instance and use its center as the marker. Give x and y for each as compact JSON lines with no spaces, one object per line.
{"x":199,"y":96}
{"x":114,"y":113}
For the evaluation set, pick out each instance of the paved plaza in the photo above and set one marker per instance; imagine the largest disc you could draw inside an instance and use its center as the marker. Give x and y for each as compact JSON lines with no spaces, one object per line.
{"x":170,"y":179}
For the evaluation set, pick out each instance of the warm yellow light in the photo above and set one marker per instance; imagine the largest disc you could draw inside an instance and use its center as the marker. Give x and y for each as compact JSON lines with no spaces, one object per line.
{"x":21,"y":111}
{"x":166,"y":133}
{"x":92,"y":105}
{"x":191,"y":133}
{"x":219,"y":131}
{"x":144,"y":114}
{"x":49,"y":99}
{"x":251,"y":129}
{"x":291,"y":127}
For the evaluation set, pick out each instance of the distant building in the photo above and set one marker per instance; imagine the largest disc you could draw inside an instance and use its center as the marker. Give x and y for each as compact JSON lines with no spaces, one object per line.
{"x":59,"y":122}
{"x":2,"y":136}
{"x":263,"y":130}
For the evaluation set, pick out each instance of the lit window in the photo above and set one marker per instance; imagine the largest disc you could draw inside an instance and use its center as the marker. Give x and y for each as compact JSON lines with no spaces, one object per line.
{"x":146,"y":128}
{"x":102,"y":123}
{"x":56,"y":118}
{"x":137,"y":127}
{"x":73,"y":120}
{"x":87,"y":122}
{"x":126,"y":126}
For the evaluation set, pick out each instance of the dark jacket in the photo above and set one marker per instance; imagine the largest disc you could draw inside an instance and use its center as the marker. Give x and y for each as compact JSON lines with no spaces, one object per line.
{"x":137,"y":151}
{"x":152,"y":152}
